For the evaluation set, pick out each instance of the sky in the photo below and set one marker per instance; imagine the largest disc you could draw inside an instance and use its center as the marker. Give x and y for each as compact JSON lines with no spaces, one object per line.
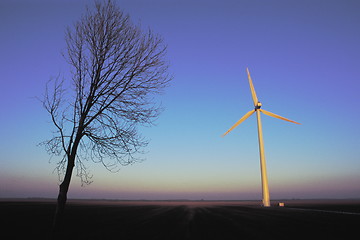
{"x":304,"y":61}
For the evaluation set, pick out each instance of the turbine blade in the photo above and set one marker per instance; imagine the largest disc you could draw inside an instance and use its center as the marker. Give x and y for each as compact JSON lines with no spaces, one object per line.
{"x":276,"y":116}
{"x":240,"y":121}
{"x":253,"y":93}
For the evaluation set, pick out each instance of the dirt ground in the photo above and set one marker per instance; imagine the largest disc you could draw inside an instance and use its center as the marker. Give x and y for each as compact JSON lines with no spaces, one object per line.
{"x":305,"y":219}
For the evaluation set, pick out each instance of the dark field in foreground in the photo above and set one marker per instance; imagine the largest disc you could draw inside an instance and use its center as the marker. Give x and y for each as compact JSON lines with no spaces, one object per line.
{"x":307,"y":219}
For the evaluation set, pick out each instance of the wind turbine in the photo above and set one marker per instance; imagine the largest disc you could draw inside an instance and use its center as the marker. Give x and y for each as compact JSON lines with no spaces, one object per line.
{"x":258,"y":110}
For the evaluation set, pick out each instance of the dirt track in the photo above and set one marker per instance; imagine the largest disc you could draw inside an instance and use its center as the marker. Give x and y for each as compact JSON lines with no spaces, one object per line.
{"x":179,"y":221}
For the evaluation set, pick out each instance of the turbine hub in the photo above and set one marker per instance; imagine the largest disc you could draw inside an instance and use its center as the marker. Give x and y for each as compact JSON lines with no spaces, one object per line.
{"x":258,"y":105}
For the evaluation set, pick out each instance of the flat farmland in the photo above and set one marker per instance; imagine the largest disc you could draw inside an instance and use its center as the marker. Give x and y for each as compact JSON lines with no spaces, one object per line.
{"x":299,"y":219}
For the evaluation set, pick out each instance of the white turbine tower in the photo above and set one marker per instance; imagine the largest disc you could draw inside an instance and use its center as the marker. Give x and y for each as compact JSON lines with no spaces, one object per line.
{"x":258,"y":110}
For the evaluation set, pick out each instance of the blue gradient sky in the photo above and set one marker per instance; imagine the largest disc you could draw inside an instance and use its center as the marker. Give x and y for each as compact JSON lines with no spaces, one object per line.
{"x":305,"y":64}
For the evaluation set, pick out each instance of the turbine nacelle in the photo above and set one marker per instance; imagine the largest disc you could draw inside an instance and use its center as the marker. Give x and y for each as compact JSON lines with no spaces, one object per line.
{"x":258,"y":105}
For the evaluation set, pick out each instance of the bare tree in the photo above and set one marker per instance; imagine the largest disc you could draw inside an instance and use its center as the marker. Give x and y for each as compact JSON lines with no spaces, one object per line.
{"x":116,"y":70}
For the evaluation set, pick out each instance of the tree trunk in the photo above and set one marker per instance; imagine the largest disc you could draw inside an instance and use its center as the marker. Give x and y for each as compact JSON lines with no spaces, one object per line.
{"x":62,"y":197}
{"x":64,"y":186}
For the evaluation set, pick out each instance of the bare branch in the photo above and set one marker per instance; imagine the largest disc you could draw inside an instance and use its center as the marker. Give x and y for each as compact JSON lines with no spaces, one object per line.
{"x":52,"y":102}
